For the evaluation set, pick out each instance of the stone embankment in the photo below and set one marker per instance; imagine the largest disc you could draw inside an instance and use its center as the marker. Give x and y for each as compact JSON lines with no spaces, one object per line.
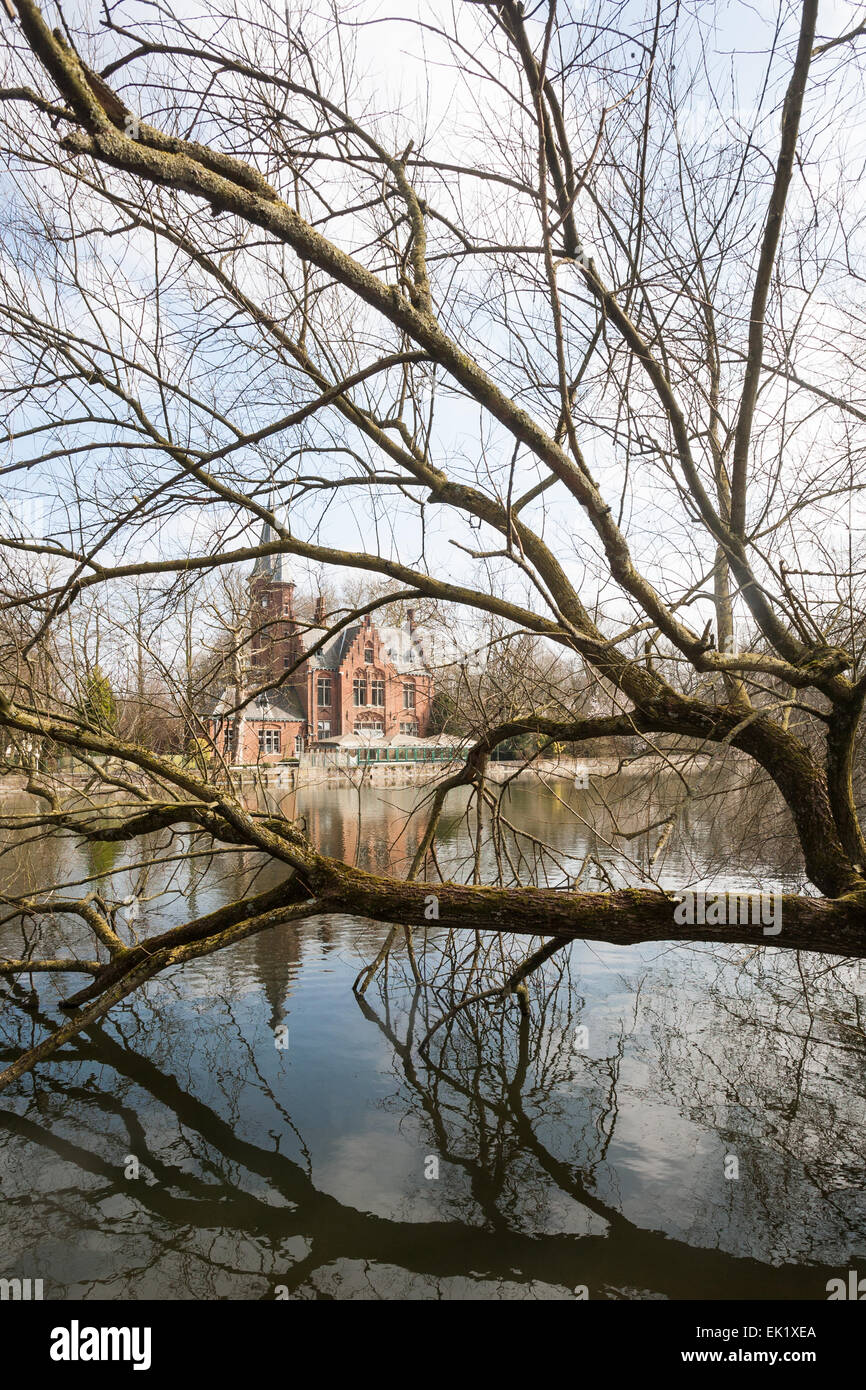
{"x":580,"y":772}
{"x":318,"y":772}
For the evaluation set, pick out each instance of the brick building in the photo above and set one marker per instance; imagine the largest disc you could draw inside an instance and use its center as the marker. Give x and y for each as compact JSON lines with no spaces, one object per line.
{"x":369,"y":680}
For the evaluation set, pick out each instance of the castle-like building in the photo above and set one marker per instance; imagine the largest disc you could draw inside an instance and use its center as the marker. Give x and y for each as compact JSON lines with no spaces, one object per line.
{"x":301,"y":688}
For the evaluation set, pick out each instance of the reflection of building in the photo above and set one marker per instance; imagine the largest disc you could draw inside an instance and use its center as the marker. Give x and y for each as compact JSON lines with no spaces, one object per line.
{"x":368,"y":680}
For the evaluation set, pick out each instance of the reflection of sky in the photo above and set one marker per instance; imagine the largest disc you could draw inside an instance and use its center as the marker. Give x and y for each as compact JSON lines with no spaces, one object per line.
{"x":692,"y":1054}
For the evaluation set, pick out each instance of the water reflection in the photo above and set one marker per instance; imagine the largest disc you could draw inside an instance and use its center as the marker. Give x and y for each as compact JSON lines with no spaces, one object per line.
{"x":566,"y":1159}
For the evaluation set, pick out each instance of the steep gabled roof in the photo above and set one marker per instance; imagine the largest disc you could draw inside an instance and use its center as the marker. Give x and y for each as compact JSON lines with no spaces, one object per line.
{"x":404,"y":647}
{"x":277,"y":706}
{"x":327,"y":657}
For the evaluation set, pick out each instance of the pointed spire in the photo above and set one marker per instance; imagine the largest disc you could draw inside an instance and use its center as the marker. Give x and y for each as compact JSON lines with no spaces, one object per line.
{"x":274,"y":568}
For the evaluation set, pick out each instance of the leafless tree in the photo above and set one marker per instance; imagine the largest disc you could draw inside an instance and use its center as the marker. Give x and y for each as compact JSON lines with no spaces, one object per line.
{"x":564,"y":337}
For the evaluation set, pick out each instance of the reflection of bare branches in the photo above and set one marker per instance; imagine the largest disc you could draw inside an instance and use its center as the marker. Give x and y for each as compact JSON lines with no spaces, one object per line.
{"x":491,"y":1088}
{"x":515,"y":984}
{"x":505,"y":1085}
{"x":783,"y":1083}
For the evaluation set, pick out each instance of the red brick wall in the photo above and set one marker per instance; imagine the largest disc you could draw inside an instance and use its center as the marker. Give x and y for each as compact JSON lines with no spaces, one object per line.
{"x":249,"y":749}
{"x":392,"y":714}
{"x":330,"y":713}
{"x":275,"y":633}
{"x":276,"y":636}
{"x":342,"y":713}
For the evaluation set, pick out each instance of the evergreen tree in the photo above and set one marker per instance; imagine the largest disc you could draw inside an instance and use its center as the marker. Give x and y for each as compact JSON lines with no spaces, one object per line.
{"x":98,"y":705}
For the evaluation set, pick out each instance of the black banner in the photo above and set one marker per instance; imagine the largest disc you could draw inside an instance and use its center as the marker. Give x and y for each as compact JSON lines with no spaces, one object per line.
{"x":64,"y":1340}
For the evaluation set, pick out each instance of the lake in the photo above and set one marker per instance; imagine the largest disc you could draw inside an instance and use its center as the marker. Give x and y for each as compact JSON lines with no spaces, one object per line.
{"x":669,"y":1122}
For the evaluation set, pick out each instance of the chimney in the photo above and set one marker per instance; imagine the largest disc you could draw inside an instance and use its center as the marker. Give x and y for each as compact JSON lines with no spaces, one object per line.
{"x":319,"y":614}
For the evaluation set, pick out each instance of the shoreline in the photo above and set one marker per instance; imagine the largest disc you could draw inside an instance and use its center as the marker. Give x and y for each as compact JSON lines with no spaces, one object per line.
{"x":291,"y":776}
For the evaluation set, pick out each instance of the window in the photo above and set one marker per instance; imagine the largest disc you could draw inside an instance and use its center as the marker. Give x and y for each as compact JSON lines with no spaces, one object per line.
{"x":408,"y":697}
{"x":324,"y":695}
{"x":410,"y":728}
{"x":323,"y":729}
{"x":377,"y":693}
{"x":269,"y":740}
{"x":376,"y":728}
{"x":287,"y":661}
{"x":227,"y":738}
{"x":264,"y":603}
{"x":369,"y":656}
{"x":359,"y":690}
{"x":299,"y":743}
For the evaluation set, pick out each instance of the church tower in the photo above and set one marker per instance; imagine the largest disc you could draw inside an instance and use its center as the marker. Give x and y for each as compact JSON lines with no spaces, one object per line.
{"x":275,"y":639}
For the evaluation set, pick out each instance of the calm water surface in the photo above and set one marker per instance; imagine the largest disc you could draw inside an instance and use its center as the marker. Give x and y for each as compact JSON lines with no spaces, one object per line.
{"x":565,"y":1159}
